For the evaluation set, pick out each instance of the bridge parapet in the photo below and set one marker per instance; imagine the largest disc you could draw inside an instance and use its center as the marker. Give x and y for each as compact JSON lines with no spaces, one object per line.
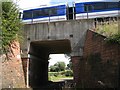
{"x":42,"y":39}
{"x":73,"y":30}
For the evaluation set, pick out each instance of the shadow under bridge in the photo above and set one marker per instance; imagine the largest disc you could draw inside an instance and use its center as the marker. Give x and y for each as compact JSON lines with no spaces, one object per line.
{"x":39,"y":56}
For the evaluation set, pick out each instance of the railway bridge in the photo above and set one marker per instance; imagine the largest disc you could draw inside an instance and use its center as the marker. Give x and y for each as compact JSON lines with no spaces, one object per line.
{"x":42,"y":39}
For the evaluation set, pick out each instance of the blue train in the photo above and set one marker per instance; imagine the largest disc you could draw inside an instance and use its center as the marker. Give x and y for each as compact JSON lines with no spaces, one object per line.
{"x":83,"y":9}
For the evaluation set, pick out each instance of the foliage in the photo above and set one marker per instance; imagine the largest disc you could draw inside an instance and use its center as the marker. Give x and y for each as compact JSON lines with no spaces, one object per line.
{"x":68,"y":73}
{"x":54,"y":68}
{"x":114,"y":39}
{"x":107,"y":28}
{"x":63,"y":73}
{"x":53,"y":74}
{"x":110,"y":29}
{"x":59,"y":66}
{"x":69,"y":66}
{"x":57,"y":76}
{"x":11,"y":26}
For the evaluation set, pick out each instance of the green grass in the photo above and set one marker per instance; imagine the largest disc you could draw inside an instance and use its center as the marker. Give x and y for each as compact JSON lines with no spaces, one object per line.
{"x":57,"y":76}
{"x":107,"y":29}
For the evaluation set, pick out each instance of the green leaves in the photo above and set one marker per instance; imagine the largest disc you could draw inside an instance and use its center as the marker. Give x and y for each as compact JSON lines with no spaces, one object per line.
{"x":11,"y":24}
{"x":114,"y":39}
{"x":59,"y":66}
{"x":10,"y":27}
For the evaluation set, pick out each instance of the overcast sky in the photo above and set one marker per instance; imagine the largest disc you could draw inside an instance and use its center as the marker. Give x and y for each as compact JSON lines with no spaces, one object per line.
{"x":58,"y":57}
{"x":31,"y":3}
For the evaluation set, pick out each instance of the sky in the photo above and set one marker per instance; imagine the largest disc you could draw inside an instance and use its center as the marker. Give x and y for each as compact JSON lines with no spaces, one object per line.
{"x":58,"y":57}
{"x":31,"y":3}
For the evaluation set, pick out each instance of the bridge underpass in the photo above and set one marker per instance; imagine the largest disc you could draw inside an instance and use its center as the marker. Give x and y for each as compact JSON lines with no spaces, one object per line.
{"x":42,"y":39}
{"x":39,"y":55}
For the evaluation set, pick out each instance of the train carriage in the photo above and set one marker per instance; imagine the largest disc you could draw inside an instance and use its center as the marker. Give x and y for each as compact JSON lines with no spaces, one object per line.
{"x":96,"y":9}
{"x":83,"y":9}
{"x":45,"y":14}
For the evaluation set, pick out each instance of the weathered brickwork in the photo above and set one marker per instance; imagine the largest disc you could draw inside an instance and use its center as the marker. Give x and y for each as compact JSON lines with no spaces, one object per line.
{"x":76,"y":63}
{"x":95,"y":43}
{"x":25,"y":66}
{"x":100,"y":64}
{"x":101,"y":61}
{"x":12,"y":71}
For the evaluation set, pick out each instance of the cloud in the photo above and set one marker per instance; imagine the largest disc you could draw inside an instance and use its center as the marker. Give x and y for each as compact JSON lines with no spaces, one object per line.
{"x":32,"y":3}
{"x":60,"y":1}
{"x":70,"y":2}
{"x":54,"y":58}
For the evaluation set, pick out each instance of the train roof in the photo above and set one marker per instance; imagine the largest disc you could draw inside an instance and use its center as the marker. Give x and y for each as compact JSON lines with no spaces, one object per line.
{"x":82,"y":1}
{"x":44,"y":6}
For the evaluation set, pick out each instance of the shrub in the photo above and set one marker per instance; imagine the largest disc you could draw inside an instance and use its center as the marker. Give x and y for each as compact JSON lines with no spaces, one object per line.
{"x":68,"y":73}
{"x":56,"y":74}
{"x":53,"y":74}
{"x":62,"y":72}
{"x":114,"y":39}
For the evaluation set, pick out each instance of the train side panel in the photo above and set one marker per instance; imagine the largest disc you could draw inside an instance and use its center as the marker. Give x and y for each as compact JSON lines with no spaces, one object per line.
{"x":46,"y":14}
{"x":96,"y":10}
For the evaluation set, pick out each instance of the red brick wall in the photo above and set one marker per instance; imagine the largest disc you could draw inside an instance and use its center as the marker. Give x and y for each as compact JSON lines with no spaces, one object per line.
{"x":80,"y":75}
{"x":105,"y":70}
{"x":76,"y":68}
{"x":95,"y":43}
{"x":12,"y":71}
{"x":25,"y":66}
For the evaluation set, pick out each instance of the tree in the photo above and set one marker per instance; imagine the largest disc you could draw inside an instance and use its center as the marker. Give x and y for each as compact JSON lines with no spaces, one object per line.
{"x":54,"y":68}
{"x":59,"y":66}
{"x":69,"y":66}
{"x":11,"y":25}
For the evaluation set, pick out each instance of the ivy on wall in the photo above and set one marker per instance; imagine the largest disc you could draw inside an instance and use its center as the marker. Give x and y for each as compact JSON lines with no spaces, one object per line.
{"x":114,"y":39}
{"x":11,"y":25}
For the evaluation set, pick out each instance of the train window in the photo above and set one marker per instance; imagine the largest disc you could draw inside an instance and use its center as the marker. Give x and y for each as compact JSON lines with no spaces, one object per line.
{"x":53,"y":11}
{"x":79,"y":7}
{"x":111,"y":5}
{"x":99,"y":6}
{"x":27,"y":14}
{"x":46,"y":12}
{"x":37,"y":13}
{"x":40,"y":13}
{"x":61,"y":10}
{"x":88,"y":8}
